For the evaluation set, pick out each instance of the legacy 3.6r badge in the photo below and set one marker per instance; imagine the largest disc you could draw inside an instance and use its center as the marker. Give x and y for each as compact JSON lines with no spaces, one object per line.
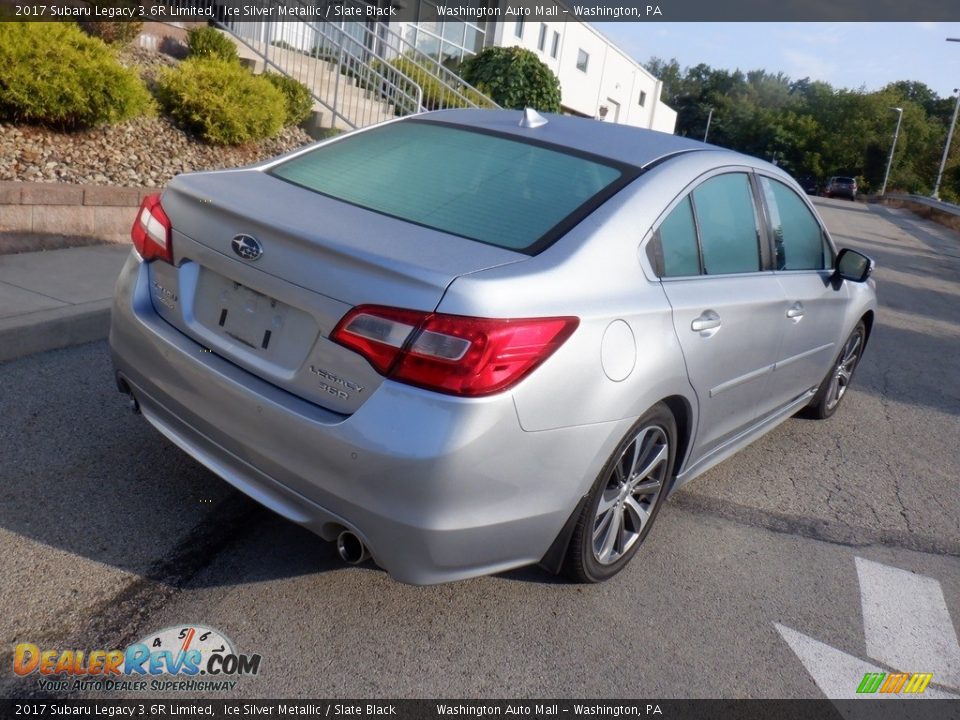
{"x":247,"y":247}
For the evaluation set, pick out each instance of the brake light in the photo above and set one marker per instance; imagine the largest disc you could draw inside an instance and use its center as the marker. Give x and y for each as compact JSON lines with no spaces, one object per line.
{"x":151,"y":231}
{"x":452,"y":354}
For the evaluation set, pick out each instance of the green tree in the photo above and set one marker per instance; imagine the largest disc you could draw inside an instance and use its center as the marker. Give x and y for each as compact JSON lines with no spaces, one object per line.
{"x":514,"y":78}
{"x":810,"y":128}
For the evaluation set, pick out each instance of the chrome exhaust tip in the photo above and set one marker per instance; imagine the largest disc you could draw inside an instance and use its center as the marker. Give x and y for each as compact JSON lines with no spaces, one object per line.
{"x":351,"y":548}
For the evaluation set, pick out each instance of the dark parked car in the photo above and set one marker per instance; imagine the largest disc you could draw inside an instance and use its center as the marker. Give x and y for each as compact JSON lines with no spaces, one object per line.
{"x":809,"y":184}
{"x":839,"y":186}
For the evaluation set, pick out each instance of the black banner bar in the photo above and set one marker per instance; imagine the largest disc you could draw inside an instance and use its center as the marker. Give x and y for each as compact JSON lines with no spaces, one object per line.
{"x":491,"y":10}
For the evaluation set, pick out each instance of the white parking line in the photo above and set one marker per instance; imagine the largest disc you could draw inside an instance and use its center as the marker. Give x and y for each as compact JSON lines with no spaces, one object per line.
{"x":907,"y":627}
{"x":906,"y":622}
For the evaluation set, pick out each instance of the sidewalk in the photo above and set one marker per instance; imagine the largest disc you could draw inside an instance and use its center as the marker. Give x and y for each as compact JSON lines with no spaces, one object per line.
{"x":56,"y":298}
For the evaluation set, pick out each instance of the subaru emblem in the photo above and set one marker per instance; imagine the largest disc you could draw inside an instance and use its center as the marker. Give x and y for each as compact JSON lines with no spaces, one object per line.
{"x":247,"y":247}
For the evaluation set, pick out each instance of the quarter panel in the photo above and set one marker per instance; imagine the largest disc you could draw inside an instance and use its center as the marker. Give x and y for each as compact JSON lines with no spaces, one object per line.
{"x":595,"y":274}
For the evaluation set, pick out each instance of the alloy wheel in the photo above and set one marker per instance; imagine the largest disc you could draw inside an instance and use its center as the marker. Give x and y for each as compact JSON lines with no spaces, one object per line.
{"x":630,"y":494}
{"x":843,"y":370}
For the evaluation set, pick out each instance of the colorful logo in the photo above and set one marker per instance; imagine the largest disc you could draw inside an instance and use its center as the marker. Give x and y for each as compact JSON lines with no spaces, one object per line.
{"x":184,"y":652}
{"x":894,"y":683}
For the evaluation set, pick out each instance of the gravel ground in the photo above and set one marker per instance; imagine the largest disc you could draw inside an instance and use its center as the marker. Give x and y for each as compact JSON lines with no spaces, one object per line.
{"x":145,"y":151}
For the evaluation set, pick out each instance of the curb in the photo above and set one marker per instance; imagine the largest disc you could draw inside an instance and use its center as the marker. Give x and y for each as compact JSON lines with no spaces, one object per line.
{"x":54,"y":329}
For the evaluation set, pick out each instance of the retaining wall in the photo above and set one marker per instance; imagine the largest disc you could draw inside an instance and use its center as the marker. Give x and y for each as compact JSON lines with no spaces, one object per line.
{"x":38,"y":216}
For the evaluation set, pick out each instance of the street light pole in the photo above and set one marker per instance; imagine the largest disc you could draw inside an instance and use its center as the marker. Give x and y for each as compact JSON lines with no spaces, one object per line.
{"x":893,"y":148}
{"x":946,"y":148}
{"x":707,"y":131}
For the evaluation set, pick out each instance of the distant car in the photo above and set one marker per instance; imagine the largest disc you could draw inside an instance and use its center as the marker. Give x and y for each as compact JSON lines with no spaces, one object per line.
{"x":809,"y":184}
{"x":468,"y":341}
{"x":839,"y":186}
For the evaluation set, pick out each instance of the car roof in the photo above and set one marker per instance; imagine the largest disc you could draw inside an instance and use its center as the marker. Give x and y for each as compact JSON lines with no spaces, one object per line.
{"x":622,"y":143}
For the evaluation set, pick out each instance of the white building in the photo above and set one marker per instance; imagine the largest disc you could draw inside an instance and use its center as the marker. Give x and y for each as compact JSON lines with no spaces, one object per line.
{"x":597,"y":78}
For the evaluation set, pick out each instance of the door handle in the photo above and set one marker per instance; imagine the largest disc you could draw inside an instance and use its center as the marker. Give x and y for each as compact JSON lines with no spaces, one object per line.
{"x":708,"y":320}
{"x":796,"y":311}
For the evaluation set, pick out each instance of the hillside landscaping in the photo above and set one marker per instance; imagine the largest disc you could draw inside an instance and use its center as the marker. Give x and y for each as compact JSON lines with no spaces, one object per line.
{"x":117,"y":114}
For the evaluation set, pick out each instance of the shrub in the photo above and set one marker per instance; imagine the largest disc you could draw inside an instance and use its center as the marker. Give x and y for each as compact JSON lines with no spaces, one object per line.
{"x":221,"y":102}
{"x":299,"y":100}
{"x":120,"y":32}
{"x":208,"y":42}
{"x":514,"y":78}
{"x":436,"y":95}
{"x":53,"y":74}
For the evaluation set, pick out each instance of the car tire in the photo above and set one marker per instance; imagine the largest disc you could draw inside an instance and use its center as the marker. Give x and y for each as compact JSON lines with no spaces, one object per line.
{"x":834,"y":386}
{"x":625,"y":499}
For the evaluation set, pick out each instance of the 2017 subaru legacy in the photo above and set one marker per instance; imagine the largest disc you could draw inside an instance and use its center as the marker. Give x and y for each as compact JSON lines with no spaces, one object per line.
{"x":468,"y":341}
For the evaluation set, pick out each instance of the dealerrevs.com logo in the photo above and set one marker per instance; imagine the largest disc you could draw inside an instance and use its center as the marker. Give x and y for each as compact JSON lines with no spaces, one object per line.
{"x":189,"y":658}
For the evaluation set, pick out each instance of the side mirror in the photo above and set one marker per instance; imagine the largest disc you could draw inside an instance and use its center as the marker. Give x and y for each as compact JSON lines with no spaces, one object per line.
{"x":852,"y":265}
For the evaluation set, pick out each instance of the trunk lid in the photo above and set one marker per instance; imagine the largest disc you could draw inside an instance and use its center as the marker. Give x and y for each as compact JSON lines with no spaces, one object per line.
{"x":319,"y":257}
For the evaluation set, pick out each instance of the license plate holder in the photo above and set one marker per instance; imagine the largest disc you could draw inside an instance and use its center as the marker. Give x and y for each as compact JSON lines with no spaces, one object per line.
{"x":250,"y":317}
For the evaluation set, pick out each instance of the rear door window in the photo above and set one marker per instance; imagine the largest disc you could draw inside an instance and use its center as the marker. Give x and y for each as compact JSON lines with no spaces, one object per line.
{"x":727,"y":218}
{"x":678,"y":242}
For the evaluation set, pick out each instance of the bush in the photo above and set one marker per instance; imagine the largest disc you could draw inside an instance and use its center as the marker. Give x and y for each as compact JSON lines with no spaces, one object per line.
{"x":120,"y":32}
{"x":207,"y":42}
{"x":299,"y":100}
{"x":436,"y":95}
{"x":53,"y":74}
{"x":221,"y":102}
{"x":514,"y":78}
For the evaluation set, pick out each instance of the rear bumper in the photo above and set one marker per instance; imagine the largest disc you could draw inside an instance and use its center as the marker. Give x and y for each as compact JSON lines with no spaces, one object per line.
{"x":439,"y":488}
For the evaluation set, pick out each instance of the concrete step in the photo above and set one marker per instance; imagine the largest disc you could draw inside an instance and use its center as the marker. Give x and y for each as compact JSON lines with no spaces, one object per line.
{"x":359,"y":105}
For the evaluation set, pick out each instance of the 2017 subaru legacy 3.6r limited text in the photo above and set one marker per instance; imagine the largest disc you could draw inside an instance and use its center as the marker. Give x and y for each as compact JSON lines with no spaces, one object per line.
{"x":468,"y":341}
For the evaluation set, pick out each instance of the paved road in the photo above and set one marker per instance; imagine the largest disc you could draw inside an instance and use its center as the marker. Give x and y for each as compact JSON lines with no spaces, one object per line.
{"x":778,"y":574}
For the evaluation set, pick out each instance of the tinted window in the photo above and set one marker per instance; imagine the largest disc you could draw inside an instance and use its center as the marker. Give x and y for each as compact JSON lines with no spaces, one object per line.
{"x":728,"y":225}
{"x":678,"y":242}
{"x":484,"y":187}
{"x":796,"y":233}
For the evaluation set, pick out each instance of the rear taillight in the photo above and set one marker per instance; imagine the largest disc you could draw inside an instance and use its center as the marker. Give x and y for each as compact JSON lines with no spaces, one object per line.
{"x":451,"y":353}
{"x":151,"y":231}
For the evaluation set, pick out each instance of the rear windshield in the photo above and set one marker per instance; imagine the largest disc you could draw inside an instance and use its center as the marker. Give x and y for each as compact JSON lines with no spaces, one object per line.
{"x":845,"y":181}
{"x":485,"y":187}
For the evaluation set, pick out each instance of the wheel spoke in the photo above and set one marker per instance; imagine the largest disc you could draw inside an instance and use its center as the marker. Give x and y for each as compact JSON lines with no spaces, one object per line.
{"x":647,"y":487}
{"x":636,"y":509}
{"x":850,"y":353}
{"x":607,"y":501}
{"x":610,"y":536}
{"x":659,"y":457}
{"x":635,"y":455}
{"x":602,"y":527}
{"x":618,"y":473}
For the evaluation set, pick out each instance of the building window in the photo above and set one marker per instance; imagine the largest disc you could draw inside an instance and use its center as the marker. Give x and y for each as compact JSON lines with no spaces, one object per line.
{"x":556,"y":44}
{"x":518,"y":28}
{"x":643,"y":98}
{"x":582,"y":60}
{"x":446,"y":41}
{"x":542,"y":42}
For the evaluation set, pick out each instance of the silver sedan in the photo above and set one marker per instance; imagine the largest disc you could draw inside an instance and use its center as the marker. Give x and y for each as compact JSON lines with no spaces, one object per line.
{"x":468,"y":341}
